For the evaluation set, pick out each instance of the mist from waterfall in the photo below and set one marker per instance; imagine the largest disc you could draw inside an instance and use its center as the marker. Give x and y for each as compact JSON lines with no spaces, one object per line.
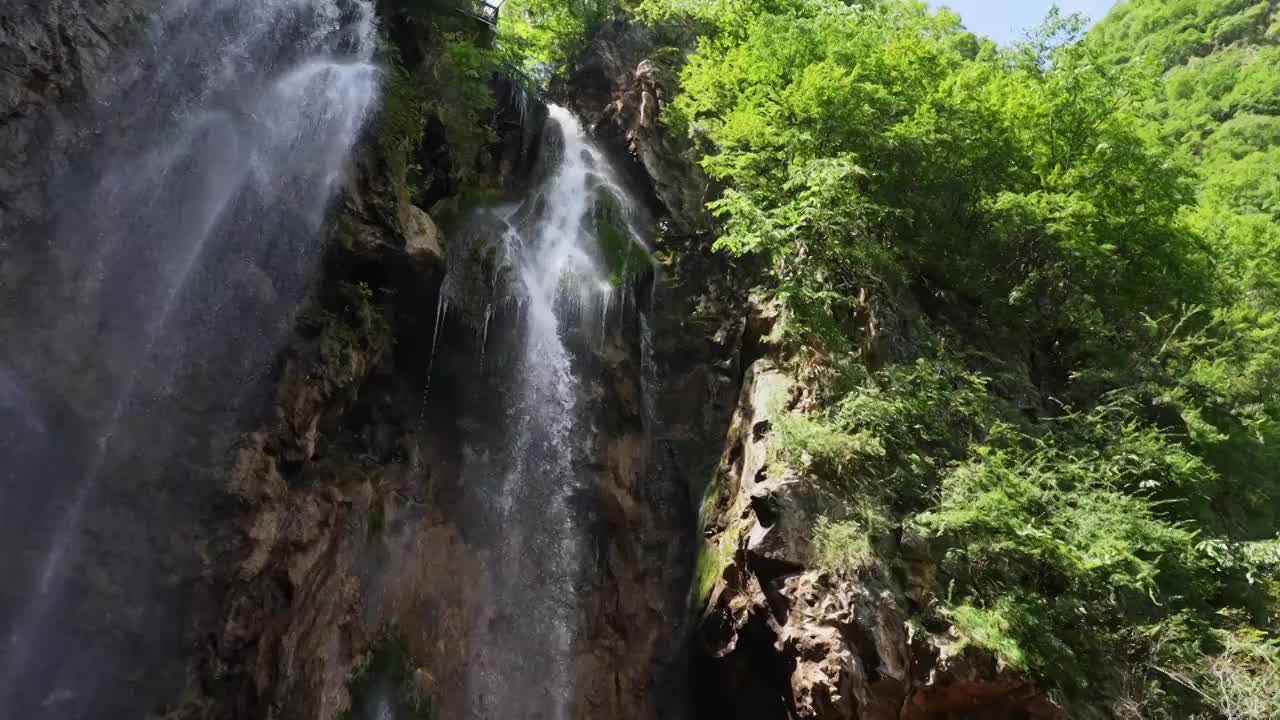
{"x":185,"y":244}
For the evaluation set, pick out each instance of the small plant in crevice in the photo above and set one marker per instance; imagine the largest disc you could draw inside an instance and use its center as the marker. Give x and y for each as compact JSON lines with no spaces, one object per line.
{"x":623,"y":257}
{"x":355,"y":336}
{"x":849,"y":546}
{"x":714,"y":556}
{"x":446,"y":101}
{"x":402,"y":121}
{"x":386,"y":682}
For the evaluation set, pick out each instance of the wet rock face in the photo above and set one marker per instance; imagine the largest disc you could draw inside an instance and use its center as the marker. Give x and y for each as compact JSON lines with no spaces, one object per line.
{"x":339,"y":512}
{"x":615,"y":86}
{"x":778,"y":638}
{"x":663,"y":409}
{"x":58,"y":55}
{"x":112,"y":326}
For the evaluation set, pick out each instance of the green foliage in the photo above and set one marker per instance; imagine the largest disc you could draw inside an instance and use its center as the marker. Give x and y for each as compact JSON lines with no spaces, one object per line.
{"x":1092,"y":222}
{"x":1002,"y":629}
{"x":1072,"y":543}
{"x":456,"y":89}
{"x":463,"y":95}
{"x":1170,"y":32}
{"x":1243,"y":681}
{"x":864,"y":146}
{"x":1062,"y":543}
{"x":713,"y":557}
{"x":405,"y":105}
{"x":623,"y":256}
{"x":352,"y":335}
{"x":849,"y":545}
{"x":890,"y":439}
{"x":548,"y":34}
{"x":720,"y":19}
{"x":1207,"y":377}
{"x":1220,"y":104}
{"x":387,"y":666}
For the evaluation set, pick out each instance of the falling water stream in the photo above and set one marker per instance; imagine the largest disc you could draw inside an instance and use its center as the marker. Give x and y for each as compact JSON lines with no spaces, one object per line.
{"x":552,"y":272}
{"x":188,"y":240}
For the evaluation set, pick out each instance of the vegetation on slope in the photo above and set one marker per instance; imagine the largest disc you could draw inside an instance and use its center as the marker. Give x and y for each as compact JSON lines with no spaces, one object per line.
{"x":439,"y":108}
{"x":1219,"y":105}
{"x":1033,"y":290}
{"x":547,"y":34}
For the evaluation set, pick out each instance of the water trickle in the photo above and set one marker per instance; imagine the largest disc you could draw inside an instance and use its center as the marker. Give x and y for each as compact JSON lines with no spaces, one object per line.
{"x":442,"y":314}
{"x":604,"y":315}
{"x":484,"y":332}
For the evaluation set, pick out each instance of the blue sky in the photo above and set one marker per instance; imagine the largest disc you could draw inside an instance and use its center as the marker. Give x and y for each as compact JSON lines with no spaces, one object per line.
{"x":1004,"y":20}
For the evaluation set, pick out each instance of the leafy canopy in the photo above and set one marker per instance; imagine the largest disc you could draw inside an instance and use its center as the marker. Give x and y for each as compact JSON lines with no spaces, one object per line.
{"x":1055,"y":264}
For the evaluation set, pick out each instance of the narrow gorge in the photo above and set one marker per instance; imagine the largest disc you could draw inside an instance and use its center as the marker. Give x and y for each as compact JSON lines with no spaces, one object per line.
{"x":626,"y":360}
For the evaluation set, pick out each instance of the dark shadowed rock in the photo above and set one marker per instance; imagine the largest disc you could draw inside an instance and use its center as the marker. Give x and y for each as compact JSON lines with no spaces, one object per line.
{"x":616,"y":87}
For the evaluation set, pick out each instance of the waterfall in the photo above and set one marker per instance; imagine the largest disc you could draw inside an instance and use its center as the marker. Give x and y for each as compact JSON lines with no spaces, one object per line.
{"x":562,"y":258}
{"x":186,"y":241}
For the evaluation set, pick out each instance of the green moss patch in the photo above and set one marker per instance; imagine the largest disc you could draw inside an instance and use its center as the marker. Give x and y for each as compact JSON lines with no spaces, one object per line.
{"x":715,"y":555}
{"x":623,"y":256}
{"x":385,"y":677}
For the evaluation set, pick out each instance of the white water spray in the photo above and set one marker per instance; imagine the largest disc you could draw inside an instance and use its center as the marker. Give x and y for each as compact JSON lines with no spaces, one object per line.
{"x":255,"y":104}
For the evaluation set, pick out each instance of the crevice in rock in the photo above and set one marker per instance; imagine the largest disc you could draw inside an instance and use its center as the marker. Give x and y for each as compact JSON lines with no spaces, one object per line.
{"x":749,"y":683}
{"x":868,"y":654}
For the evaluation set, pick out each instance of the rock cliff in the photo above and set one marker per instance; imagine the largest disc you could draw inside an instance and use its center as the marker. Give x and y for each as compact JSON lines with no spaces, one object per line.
{"x":619,"y":85}
{"x":774,"y":635}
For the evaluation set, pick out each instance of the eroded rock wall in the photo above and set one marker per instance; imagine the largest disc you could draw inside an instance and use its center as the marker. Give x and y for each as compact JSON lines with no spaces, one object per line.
{"x":335,"y":541}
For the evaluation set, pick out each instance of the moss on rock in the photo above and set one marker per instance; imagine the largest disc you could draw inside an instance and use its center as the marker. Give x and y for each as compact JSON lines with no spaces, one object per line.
{"x":714,"y":556}
{"x":386,"y":677}
{"x":622,"y":254}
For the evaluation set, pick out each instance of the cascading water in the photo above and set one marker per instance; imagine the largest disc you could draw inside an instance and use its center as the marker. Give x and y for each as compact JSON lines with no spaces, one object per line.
{"x":185,"y":244}
{"x":561,"y":259}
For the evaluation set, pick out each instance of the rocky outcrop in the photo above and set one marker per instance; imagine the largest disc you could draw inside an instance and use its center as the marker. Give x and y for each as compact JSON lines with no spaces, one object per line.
{"x":297,"y":569}
{"x":779,"y":637}
{"x":104,"y":499}
{"x":618,"y":86}
{"x":353,"y":509}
